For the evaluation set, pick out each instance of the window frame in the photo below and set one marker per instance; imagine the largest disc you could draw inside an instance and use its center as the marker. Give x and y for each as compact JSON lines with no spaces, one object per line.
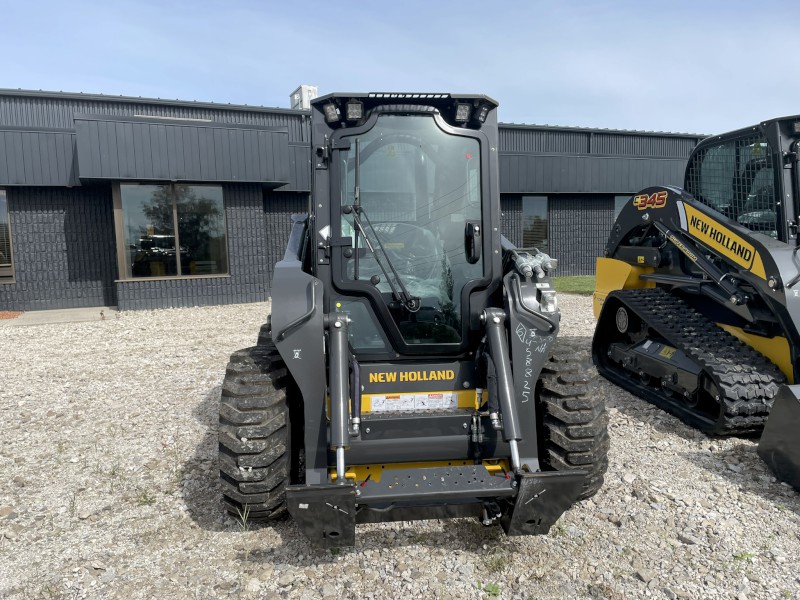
{"x":119,"y":229}
{"x":8,"y":274}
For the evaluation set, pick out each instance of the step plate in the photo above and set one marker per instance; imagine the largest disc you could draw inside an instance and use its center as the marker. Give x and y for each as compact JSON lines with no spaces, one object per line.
{"x":436,"y":484}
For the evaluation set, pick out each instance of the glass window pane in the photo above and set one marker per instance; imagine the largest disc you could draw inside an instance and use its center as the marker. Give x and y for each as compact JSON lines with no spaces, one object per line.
{"x":419,"y":187}
{"x":201,"y":229}
{"x":5,"y":237}
{"x":148,"y":228}
{"x":534,"y":223}
{"x":619,"y":204}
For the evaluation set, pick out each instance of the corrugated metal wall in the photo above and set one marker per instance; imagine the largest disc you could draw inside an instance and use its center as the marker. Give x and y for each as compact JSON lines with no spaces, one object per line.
{"x":540,"y":140}
{"x":37,"y":158}
{"x":579,"y":228}
{"x":180,"y":151}
{"x":43,"y":110}
{"x":564,"y":140}
{"x":299,"y":169}
{"x":558,"y":174}
{"x":58,"y":111}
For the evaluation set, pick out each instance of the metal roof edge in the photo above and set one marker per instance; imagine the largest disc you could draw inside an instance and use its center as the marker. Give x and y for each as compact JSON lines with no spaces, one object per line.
{"x":601,"y":130}
{"x":154,"y":101}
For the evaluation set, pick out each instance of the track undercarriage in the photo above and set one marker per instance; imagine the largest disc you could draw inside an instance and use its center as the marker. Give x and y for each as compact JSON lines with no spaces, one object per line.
{"x":656,"y":346}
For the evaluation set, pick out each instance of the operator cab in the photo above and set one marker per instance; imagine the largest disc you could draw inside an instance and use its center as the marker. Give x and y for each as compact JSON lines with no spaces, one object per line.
{"x":409,"y":194}
{"x":741,"y":176}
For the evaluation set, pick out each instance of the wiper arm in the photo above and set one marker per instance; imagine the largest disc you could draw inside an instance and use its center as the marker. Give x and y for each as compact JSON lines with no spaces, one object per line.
{"x":411,"y":303}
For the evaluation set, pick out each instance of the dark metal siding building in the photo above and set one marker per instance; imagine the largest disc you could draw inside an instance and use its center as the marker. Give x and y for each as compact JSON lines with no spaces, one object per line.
{"x":77,"y":172}
{"x":562,"y":186}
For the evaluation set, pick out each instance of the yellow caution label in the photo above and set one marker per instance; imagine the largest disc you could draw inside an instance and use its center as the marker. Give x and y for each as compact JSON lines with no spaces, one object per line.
{"x":721,"y":239}
{"x":420,"y":401}
{"x":667,"y":352}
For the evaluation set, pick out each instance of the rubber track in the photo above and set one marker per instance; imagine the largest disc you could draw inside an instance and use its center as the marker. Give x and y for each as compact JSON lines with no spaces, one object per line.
{"x":747,"y":381}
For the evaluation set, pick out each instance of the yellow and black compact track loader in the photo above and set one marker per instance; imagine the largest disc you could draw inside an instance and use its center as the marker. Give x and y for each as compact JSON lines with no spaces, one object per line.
{"x":698,"y":293}
{"x":410,"y":368}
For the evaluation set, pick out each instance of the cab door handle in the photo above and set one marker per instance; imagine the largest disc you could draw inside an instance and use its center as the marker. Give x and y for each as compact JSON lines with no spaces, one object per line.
{"x":473,"y":241}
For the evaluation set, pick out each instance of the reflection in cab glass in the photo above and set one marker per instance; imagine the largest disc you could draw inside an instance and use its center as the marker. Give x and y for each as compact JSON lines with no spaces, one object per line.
{"x":152,"y":213}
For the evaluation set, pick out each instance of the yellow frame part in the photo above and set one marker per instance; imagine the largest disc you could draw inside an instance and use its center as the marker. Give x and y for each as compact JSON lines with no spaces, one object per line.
{"x":360,"y":472}
{"x":613,"y":274}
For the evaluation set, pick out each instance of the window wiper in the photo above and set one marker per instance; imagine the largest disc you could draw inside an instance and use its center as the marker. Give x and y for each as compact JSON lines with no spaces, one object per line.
{"x":402,"y":295}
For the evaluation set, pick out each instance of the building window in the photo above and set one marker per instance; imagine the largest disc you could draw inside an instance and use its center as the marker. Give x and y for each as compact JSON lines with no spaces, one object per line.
{"x":171,"y":230}
{"x":619,"y":204}
{"x":6,"y":263}
{"x":535,"y":223}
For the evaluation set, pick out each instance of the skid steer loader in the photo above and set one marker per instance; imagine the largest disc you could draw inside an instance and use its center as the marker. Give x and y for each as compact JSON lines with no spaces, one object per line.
{"x":409,"y":369}
{"x":698,"y":294}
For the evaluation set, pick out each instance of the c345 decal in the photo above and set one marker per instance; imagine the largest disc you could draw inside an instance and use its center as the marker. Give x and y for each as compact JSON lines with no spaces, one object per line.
{"x":654,"y":200}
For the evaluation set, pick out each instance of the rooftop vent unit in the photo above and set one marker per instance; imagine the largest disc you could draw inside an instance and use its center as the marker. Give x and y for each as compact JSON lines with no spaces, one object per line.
{"x":301,"y":98}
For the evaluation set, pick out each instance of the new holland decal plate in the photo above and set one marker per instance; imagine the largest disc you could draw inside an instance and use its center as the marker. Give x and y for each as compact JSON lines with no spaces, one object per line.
{"x":721,"y":239}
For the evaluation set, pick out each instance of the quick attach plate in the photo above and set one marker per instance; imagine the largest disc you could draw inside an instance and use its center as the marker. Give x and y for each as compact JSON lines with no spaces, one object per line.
{"x":325,"y":513}
{"x":542,"y":499}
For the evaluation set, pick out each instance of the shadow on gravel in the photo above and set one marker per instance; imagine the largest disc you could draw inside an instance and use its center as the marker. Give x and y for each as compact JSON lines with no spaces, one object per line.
{"x":749,"y":474}
{"x":458,"y":535}
{"x":203,"y":497}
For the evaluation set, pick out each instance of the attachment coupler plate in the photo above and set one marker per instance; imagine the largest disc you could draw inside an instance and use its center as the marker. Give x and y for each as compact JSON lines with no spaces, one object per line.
{"x":326,"y":513}
{"x":543,"y":497}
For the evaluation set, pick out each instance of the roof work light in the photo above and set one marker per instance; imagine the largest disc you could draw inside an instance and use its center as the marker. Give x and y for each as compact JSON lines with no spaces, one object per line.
{"x":331,"y":113}
{"x":463,"y":111}
{"x":355,"y":110}
{"x":482,"y":113}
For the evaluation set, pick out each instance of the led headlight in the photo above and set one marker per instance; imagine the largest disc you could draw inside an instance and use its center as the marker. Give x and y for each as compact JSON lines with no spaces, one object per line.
{"x":463,"y":111}
{"x":355,"y":110}
{"x":549,"y":301}
{"x":331,"y":113}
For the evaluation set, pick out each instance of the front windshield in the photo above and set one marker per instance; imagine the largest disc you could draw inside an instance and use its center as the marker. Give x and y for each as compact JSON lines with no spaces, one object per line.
{"x":420,"y":188}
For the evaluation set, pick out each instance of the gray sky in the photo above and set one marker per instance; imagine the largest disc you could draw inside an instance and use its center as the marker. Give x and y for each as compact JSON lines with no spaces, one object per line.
{"x":699,"y":66}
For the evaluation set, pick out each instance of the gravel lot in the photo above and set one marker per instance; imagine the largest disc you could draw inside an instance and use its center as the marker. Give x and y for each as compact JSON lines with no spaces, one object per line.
{"x":108,"y":489}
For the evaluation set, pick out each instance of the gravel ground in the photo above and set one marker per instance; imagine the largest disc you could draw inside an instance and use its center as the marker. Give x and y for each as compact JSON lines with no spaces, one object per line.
{"x":109,"y":490}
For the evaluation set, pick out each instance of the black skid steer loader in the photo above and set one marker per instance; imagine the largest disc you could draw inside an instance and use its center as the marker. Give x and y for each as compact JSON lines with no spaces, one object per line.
{"x":698,"y":294}
{"x":410,"y":368}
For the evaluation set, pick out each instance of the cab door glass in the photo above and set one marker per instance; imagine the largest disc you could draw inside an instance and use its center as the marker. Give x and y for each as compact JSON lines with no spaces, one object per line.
{"x":420,"y":188}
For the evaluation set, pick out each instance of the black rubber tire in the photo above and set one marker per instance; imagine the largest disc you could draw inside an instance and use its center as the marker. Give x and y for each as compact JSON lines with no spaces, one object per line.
{"x":255,"y":452}
{"x":573,"y":429}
